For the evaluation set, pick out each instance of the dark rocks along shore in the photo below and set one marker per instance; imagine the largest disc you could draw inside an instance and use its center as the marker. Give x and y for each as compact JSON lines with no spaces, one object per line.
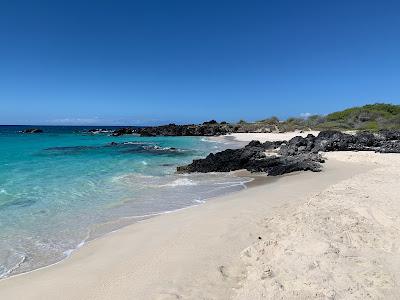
{"x":297,"y":154}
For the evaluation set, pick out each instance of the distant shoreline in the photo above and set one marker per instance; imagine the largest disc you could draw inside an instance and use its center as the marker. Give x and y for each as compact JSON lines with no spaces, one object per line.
{"x":370,"y":117}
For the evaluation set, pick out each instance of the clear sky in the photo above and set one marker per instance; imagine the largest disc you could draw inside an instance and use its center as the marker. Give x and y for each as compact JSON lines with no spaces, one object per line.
{"x":146,"y":62}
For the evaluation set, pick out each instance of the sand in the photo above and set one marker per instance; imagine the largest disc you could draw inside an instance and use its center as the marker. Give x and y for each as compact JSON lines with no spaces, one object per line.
{"x":343,"y":243}
{"x":263,"y":137}
{"x":328,"y":235}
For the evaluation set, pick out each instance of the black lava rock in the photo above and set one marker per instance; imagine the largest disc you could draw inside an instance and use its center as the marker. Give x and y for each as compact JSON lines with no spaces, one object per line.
{"x":297,"y":154}
{"x":32,"y":130}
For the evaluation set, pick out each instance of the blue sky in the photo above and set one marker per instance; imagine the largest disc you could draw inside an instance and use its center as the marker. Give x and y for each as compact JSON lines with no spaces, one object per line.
{"x":150,"y":62}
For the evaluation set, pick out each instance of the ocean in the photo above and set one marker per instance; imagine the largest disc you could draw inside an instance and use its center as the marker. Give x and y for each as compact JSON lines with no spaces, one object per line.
{"x":63,"y":187}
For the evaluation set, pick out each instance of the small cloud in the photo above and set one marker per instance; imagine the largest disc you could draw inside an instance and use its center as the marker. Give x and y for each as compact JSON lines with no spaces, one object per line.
{"x":74,"y":121}
{"x":305,"y":115}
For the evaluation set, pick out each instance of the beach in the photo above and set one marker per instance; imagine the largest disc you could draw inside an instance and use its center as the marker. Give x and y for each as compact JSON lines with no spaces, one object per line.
{"x":199,"y":150}
{"x":264,"y":137}
{"x":327,"y":235}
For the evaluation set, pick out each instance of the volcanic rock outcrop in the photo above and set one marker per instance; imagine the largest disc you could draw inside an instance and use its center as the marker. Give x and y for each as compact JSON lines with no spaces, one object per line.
{"x":297,"y":154}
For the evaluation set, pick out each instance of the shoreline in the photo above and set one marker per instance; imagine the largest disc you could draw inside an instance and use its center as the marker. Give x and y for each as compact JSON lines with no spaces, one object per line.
{"x":254,"y":180}
{"x":99,"y":229}
{"x":92,"y":254}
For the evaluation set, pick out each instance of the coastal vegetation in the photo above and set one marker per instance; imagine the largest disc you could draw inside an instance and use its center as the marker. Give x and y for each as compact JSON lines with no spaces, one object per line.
{"x":371,"y":117}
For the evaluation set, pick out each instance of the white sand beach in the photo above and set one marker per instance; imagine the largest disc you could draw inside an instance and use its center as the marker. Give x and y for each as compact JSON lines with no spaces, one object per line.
{"x":328,"y":235}
{"x":263,"y":137}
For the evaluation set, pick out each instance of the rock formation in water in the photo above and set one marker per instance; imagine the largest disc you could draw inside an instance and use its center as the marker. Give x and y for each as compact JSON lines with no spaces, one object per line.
{"x":32,"y":130}
{"x":123,"y":131}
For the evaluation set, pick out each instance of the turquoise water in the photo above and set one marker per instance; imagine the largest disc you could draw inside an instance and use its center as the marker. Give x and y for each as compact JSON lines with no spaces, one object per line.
{"x":63,"y":187}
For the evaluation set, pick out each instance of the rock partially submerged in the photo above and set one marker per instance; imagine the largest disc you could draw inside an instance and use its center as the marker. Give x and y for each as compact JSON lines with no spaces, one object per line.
{"x":297,"y":154}
{"x":123,"y":131}
{"x":97,"y":130}
{"x":32,"y":130}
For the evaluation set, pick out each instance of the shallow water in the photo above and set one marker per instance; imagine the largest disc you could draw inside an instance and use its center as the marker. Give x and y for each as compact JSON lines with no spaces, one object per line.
{"x":63,"y":187}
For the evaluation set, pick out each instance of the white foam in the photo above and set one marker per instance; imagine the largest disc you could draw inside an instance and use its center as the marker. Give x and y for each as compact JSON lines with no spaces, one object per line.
{"x":199,"y":201}
{"x":130,"y":176}
{"x":68,"y":252}
{"x":180,"y":182}
{"x":234,"y":183}
{"x":208,"y":140}
{"x":136,"y":143}
{"x":6,"y":272}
